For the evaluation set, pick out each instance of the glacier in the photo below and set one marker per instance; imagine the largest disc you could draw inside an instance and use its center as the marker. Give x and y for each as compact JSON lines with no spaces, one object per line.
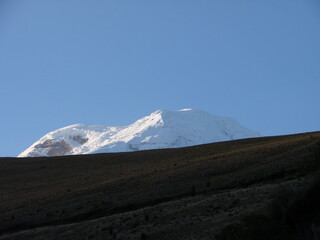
{"x":161,"y":129}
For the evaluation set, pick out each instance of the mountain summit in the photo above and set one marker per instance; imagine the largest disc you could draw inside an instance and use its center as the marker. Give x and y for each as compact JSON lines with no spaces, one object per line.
{"x":161,"y":129}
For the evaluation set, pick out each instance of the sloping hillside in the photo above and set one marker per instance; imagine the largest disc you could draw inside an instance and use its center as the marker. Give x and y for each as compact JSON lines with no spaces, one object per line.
{"x":203,"y":192}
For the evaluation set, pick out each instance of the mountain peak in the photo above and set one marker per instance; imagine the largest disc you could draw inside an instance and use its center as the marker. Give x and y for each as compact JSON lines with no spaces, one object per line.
{"x":161,"y":129}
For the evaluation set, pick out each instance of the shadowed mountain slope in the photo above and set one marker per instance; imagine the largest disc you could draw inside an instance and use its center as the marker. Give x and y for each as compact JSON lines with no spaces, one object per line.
{"x":200,"y":192}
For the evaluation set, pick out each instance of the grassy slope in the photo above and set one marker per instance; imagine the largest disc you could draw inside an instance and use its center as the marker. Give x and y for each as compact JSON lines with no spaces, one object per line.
{"x":157,"y":194}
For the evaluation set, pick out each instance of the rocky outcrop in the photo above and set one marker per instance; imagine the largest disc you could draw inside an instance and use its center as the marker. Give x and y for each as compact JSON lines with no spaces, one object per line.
{"x":55,"y":148}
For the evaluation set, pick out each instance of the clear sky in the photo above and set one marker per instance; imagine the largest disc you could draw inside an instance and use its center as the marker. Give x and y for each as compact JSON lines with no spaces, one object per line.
{"x":113,"y":62}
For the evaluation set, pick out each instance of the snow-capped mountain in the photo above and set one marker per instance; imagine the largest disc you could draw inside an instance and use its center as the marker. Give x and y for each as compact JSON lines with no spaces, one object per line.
{"x":161,"y":129}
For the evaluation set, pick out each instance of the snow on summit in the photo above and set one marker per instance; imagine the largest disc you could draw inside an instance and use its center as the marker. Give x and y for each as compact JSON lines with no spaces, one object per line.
{"x":161,"y":129}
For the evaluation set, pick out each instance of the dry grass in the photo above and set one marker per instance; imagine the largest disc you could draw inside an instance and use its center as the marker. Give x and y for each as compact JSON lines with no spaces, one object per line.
{"x":187,"y":193}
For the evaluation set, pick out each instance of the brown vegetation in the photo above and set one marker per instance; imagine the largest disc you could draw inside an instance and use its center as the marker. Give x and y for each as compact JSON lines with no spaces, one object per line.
{"x":224,"y":190}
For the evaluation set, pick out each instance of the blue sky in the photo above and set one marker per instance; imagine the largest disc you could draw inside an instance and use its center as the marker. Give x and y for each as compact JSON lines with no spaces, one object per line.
{"x":112,"y":62}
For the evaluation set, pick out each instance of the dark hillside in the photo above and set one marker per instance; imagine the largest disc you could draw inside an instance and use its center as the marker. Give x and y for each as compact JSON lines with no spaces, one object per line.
{"x":224,"y":190}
